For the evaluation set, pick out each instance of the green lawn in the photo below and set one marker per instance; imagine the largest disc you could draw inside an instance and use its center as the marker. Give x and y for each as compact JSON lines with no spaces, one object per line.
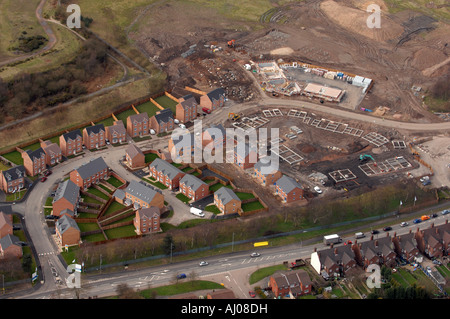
{"x":183,"y":198}
{"x":148,"y":107}
{"x":167,"y":102}
{"x":181,"y":288}
{"x":247,"y":207}
{"x":114,"y":181}
{"x":14,"y":157}
{"x":114,"y":207}
{"x":213,"y":209}
{"x":218,"y":186}
{"x":265,"y":272}
{"x":107,"y":122}
{"x":150,"y":157}
{"x":84,"y":227}
{"x":124,"y":115}
{"x":244,"y":196}
{"x":120,"y":232}
{"x":98,"y":193}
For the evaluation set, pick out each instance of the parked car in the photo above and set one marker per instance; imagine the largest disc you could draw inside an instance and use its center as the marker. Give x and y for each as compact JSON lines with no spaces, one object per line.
{"x":182,"y":126}
{"x":436,"y":262}
{"x":43,"y":179}
{"x":429,"y":270}
{"x":375,"y":232}
{"x":404,"y":224}
{"x":181,"y":276}
{"x":434,"y":215}
{"x":425,"y":217}
{"x":48,"y":173}
{"x":51,"y":217}
{"x":252,"y":294}
{"x":203,"y":263}
{"x":317,"y":189}
{"x":206,"y":110}
{"x":387,"y":228}
{"x":416,"y":221}
{"x":255,"y":255}
{"x":445,"y":212}
{"x":348,"y":242}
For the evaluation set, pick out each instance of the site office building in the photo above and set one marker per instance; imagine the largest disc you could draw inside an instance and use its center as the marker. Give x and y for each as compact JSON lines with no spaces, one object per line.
{"x":90,"y":173}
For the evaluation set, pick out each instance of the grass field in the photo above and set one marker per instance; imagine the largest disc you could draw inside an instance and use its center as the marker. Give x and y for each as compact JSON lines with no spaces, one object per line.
{"x":167,"y":102}
{"x":148,"y":107}
{"x":442,"y":13}
{"x":180,"y":288}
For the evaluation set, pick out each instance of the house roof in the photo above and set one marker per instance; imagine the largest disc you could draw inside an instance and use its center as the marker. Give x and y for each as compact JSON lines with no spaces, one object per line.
{"x":225,"y":195}
{"x":117,"y":127}
{"x":189,"y":101}
{"x":91,"y":168}
{"x":67,"y":212}
{"x":139,"y":117}
{"x":266,"y":166}
{"x":164,"y":116}
{"x":192,"y":182}
{"x":166,"y":168}
{"x":68,"y":190}
{"x":52,"y":148}
{"x":216,"y":131}
{"x":435,"y":234}
{"x":216,"y":94}
{"x":287,"y":184}
{"x":293,"y":277}
{"x":14,"y":173}
{"x":95,"y":129}
{"x":148,"y":212}
{"x":72,"y":135}
{"x":36,"y":154}
{"x":9,"y":240}
{"x":336,"y":255}
{"x":5,"y":219}
{"x":133,"y":150}
{"x":65,"y":223}
{"x":381,"y":246}
{"x":222,"y":294}
{"x":141,"y":191}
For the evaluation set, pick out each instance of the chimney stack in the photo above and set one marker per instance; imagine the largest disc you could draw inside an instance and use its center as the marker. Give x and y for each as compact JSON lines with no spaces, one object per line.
{"x":376,"y":243}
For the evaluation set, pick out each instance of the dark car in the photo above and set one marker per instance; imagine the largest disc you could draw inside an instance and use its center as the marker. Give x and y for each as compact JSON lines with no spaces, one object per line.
{"x":48,"y":173}
{"x":416,"y":221}
{"x":51,"y":217}
{"x":181,"y":276}
{"x":434,"y":215}
{"x":388,"y":228}
{"x":375,"y":232}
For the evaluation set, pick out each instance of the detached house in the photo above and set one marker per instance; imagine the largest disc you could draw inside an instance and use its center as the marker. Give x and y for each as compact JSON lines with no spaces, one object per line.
{"x":67,"y":231}
{"x":245,"y":156}
{"x":12,"y":179}
{"x":334,"y":261}
{"x":10,"y":247}
{"x":227,"y":201}
{"x":289,"y":189}
{"x":166,"y":173}
{"x":186,"y":109}
{"x":134,"y":156}
{"x":34,"y":161}
{"x":116,"y":133}
{"x":293,"y":284}
{"x":67,"y":196}
{"x":213,"y":100}
{"x":53,"y":153}
{"x":138,"y":125}
{"x":139,"y":195}
{"x":90,"y":173}
{"x":147,"y":220}
{"x":71,"y":143}
{"x":94,"y":136}
{"x":162,"y":121}
{"x":193,"y":187}
{"x":265,"y":172}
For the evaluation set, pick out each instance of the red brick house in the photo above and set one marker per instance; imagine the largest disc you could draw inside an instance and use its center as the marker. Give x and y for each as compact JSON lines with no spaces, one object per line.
{"x":435,"y":241}
{"x":214,"y":137}
{"x":186,"y":109}
{"x":67,"y":196}
{"x":71,"y":143}
{"x":245,"y":156}
{"x":53,"y":153}
{"x":138,"y":125}
{"x":292,"y":284}
{"x":94,"y":136}
{"x":265,"y":172}
{"x":67,"y":231}
{"x":227,"y":201}
{"x":34,"y":161}
{"x":116,"y":133}
{"x":193,"y":187}
{"x":10,"y":247}
{"x":406,"y":246}
{"x":134,"y":156}
{"x":334,"y":261}
{"x":213,"y":100}
{"x":162,"y":121}
{"x":90,"y":173}
{"x":379,"y":251}
{"x":289,"y":189}
{"x":166,"y":173}
{"x":6,"y":224}
{"x":140,"y":196}
{"x":147,"y":220}
{"x":13,"y":179}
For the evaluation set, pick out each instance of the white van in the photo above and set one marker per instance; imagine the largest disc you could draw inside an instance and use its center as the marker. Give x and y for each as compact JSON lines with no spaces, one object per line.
{"x":360,"y":235}
{"x":197,"y":212}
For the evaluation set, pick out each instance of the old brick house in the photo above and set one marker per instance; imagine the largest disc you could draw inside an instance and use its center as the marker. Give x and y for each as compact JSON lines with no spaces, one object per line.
{"x":13,"y":179}
{"x":406,"y":246}
{"x":138,"y":125}
{"x":94,"y":136}
{"x":292,"y":284}
{"x":34,"y":161}
{"x":90,"y":173}
{"x":378,"y":251}
{"x":71,"y":143}
{"x":334,"y":261}
{"x":434,"y":241}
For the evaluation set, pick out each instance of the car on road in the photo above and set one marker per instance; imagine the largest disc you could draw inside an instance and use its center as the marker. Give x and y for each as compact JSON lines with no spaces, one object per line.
{"x":387,"y":228}
{"x":445,"y":212}
{"x":51,"y":217}
{"x":425,"y":217}
{"x":255,"y":255}
{"x":417,"y":220}
{"x":181,"y":276}
{"x":182,"y":126}
{"x":43,"y":179}
{"x":374,"y":232}
{"x":252,"y":294}
{"x":348,"y":242}
{"x":404,"y":224}
{"x":429,"y":270}
{"x":318,"y":190}
{"x":436,"y":262}
{"x":434,"y":215}
{"x":48,"y":173}
{"x":203,"y":263}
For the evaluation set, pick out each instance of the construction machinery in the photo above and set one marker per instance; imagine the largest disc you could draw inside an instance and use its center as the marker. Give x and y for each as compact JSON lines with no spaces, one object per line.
{"x":364,"y":158}
{"x":231,"y":43}
{"x":234,"y":116}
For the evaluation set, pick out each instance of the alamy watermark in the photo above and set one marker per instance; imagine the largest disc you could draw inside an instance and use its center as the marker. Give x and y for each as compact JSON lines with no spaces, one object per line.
{"x":374,"y":20}
{"x":374,"y":279}
{"x":74,"y":19}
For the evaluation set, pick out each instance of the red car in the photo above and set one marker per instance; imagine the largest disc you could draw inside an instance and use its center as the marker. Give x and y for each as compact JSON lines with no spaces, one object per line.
{"x":43,"y":179}
{"x":207,"y":111}
{"x":252,"y":294}
{"x":348,"y":242}
{"x":47,"y":173}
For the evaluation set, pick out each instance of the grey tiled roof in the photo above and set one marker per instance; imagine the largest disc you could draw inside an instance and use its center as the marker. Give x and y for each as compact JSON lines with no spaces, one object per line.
{"x":36,"y":153}
{"x":91,"y":168}
{"x":225,"y":195}
{"x":140,"y":191}
{"x":139,"y":117}
{"x":95,"y":129}
{"x":9,"y":240}
{"x":14,"y":173}
{"x":133,"y":150}
{"x":68,"y":190}
{"x":287,"y":184}
{"x":216,"y":94}
{"x":65,"y":223}
{"x":148,"y":212}
{"x":167,"y":169}
{"x":192,"y":182}
{"x":72,"y":135}
{"x":164,"y":116}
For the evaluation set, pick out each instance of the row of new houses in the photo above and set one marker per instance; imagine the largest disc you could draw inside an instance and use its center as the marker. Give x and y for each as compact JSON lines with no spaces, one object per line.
{"x":433,"y":242}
